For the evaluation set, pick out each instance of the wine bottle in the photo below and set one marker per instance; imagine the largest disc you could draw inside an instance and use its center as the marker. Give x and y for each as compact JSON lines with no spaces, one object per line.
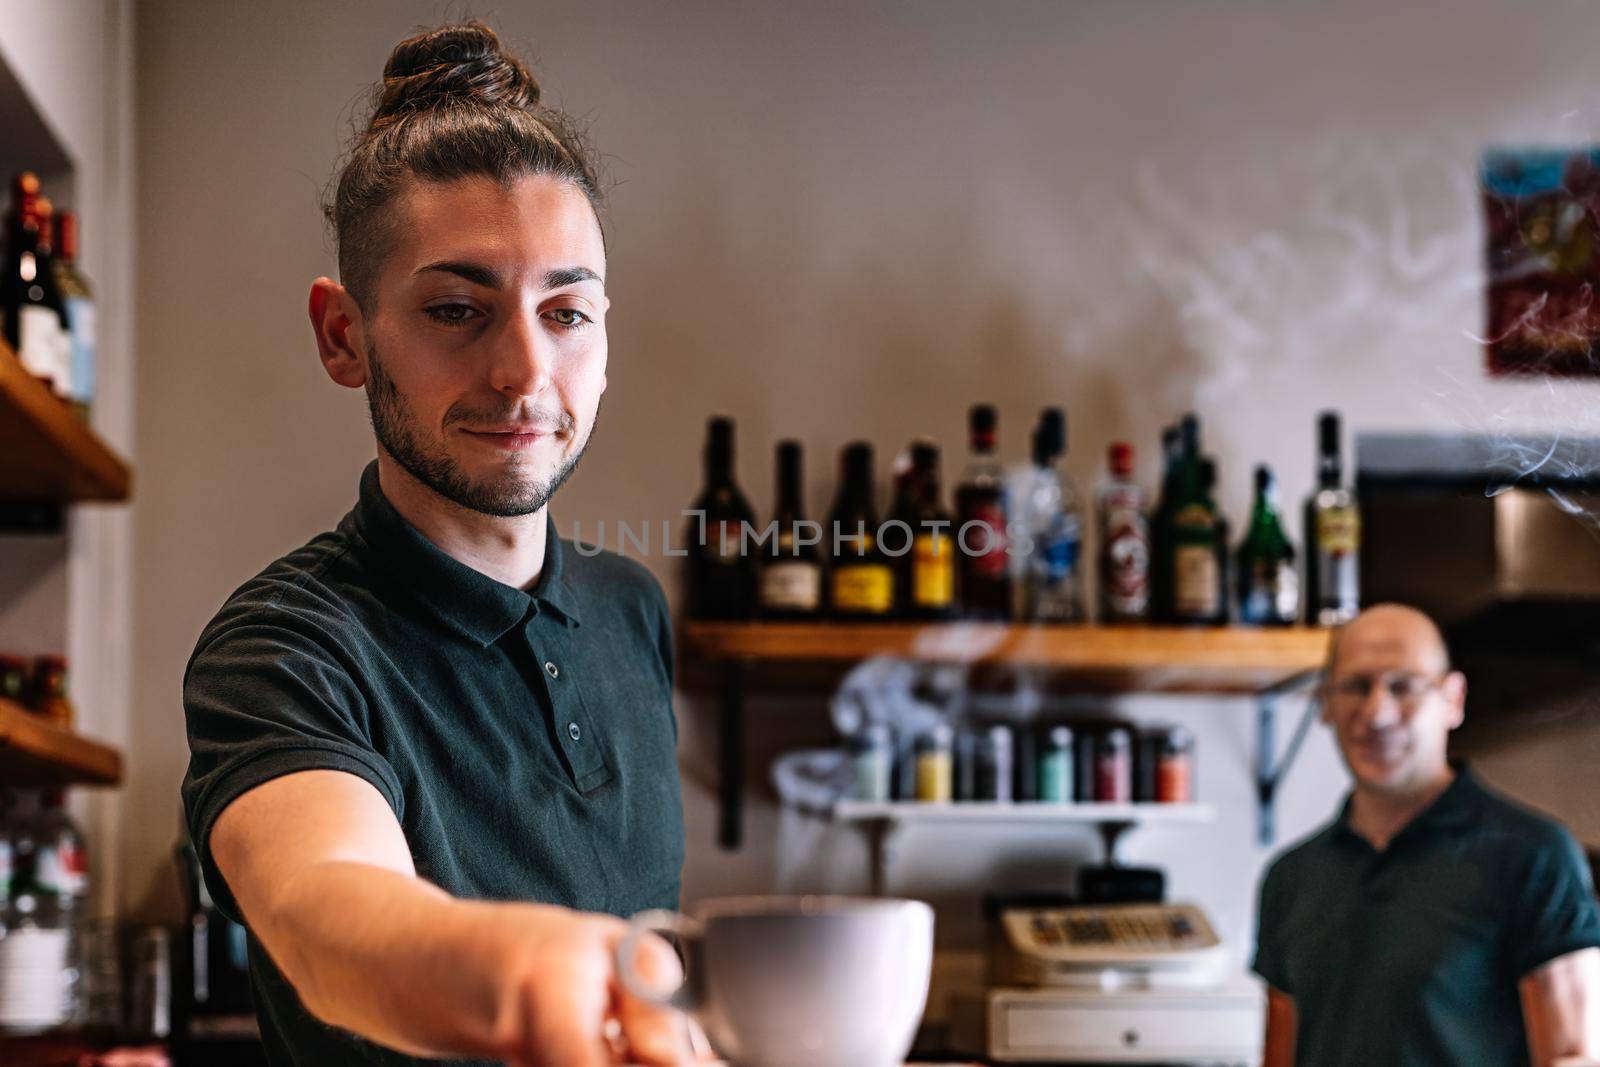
{"x":1269,"y":588}
{"x":1333,"y":536}
{"x":78,"y":298}
{"x":860,"y":578}
{"x":985,"y":581}
{"x":1052,"y":516}
{"x":1197,"y":539}
{"x":925,"y":577}
{"x":1124,"y":543}
{"x":721,"y":572}
{"x":791,"y":566}
{"x":35,"y":315}
{"x":1172,"y":438}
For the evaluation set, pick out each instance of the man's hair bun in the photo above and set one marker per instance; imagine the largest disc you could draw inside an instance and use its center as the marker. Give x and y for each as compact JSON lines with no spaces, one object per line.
{"x":460,"y":65}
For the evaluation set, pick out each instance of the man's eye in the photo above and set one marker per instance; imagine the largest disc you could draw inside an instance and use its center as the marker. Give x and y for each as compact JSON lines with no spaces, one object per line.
{"x":569,"y":318}
{"x":451,"y":314}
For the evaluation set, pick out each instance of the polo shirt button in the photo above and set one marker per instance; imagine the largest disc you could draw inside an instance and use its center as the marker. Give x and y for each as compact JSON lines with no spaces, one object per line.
{"x":573,"y":731}
{"x":550,"y":669}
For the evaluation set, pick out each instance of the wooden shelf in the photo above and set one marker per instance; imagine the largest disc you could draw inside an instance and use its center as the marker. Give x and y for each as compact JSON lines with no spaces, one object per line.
{"x":49,"y":454}
{"x":910,"y":812}
{"x":1227,"y":660}
{"x":35,"y":753}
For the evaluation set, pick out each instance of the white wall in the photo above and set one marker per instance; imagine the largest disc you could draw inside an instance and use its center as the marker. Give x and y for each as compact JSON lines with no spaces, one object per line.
{"x":838,"y":220}
{"x":73,"y":594}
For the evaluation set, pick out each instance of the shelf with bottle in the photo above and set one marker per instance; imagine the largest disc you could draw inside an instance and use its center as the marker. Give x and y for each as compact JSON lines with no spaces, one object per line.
{"x":1148,"y":659}
{"x":913,"y":812}
{"x":35,"y":752}
{"x":47,"y":358}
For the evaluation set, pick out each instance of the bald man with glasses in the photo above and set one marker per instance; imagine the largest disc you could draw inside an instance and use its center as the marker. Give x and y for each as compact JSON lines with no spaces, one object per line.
{"x":1433,"y":922}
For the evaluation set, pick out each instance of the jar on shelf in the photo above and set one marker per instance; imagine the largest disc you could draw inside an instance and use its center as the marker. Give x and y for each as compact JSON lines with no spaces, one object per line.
{"x":1056,"y":767}
{"x":935,"y":756}
{"x":872,"y":754}
{"x":1113,"y":765}
{"x":48,"y":691}
{"x":1175,"y":767}
{"x":13,"y":679}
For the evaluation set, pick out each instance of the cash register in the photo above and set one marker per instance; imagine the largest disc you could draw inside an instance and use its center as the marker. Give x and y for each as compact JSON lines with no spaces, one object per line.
{"x":1141,"y":982}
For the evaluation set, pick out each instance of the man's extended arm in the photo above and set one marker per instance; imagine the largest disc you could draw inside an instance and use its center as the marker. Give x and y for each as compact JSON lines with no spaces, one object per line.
{"x":1561,"y":1007}
{"x":1278,"y":1048}
{"x":321,"y":871}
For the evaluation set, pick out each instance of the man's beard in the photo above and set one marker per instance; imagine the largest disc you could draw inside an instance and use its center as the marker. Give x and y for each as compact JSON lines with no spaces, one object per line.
{"x":394,"y":426}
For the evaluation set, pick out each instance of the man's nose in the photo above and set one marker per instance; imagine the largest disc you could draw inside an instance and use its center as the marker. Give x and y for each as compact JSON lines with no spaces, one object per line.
{"x":521,"y":357}
{"x":1380,"y":709}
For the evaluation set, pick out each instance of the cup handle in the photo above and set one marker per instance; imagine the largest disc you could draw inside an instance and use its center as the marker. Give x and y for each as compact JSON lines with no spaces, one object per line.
{"x":659,"y":921}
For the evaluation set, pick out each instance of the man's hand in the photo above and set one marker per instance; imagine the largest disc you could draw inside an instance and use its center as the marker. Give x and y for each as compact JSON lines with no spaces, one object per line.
{"x":1561,"y":1007}
{"x":565,"y":1004}
{"x":321,"y":870}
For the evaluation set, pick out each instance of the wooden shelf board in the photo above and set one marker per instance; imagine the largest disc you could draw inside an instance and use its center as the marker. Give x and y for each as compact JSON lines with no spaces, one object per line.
{"x":909,"y":812}
{"x":1098,"y":658}
{"x":33,"y":752}
{"x":50,"y":454}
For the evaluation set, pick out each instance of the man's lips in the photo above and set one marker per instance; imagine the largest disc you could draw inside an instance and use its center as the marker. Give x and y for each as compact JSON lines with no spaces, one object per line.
{"x":511,"y":436}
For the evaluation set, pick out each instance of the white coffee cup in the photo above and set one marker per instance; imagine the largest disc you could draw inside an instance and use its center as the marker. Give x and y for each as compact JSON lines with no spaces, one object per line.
{"x":797,"y":981}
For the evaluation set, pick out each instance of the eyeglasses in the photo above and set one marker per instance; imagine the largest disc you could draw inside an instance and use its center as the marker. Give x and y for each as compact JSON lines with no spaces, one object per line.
{"x":1403,"y":687}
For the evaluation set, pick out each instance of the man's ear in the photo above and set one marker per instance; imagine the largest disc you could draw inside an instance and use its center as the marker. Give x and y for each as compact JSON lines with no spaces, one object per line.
{"x":336,"y":321}
{"x":1455,"y":688}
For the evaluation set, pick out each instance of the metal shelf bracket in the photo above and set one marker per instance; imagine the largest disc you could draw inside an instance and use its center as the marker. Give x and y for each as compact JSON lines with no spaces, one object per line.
{"x":1270,"y":769}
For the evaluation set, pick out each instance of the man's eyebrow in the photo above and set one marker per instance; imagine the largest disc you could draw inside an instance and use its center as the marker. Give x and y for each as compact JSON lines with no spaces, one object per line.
{"x":476,"y":273}
{"x":570,"y":276}
{"x":489,"y":278}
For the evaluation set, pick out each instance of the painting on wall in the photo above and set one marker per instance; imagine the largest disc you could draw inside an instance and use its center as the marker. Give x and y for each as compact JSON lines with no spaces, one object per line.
{"x":1542,"y":222}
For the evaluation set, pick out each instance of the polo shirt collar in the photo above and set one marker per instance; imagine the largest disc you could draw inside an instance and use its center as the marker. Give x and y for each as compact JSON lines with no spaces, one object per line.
{"x":465,"y":599}
{"x":1454,"y":809}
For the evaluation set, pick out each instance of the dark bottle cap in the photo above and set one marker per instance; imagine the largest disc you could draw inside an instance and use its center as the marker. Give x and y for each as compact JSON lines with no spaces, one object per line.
{"x":719,"y":444}
{"x":1265,"y":480}
{"x":1050,"y":436}
{"x":1328,"y":432}
{"x":982,"y":420}
{"x":924,"y":456}
{"x":1120,"y":456}
{"x":856,"y":461}
{"x":1208,"y":473}
{"x":789,"y":456}
{"x":1189,"y":429}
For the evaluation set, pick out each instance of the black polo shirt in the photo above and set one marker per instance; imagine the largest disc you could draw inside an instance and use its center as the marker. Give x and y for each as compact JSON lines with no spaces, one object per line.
{"x":525,"y":740}
{"x":1412,"y":955}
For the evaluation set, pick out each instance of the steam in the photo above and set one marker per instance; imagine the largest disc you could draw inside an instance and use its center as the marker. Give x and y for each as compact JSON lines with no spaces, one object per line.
{"x":1372,"y":262}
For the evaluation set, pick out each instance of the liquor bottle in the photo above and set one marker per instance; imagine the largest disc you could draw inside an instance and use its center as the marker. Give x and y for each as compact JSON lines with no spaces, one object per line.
{"x":79,"y":301}
{"x":721,"y":573}
{"x":1050,"y":513}
{"x":926,"y":578}
{"x":35,"y":316}
{"x":1124,"y":543}
{"x":1198,"y":549}
{"x":860,"y":578}
{"x":1333,"y":537}
{"x":985,"y":582}
{"x":1172,"y":438}
{"x":1269,"y":587}
{"x":791,"y":566}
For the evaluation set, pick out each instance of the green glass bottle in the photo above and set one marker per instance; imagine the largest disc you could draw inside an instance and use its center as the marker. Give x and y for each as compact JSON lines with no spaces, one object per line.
{"x":1269,"y":586}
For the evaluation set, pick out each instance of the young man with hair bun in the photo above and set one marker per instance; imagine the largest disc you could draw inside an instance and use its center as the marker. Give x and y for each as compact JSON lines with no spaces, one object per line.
{"x":433,"y":750}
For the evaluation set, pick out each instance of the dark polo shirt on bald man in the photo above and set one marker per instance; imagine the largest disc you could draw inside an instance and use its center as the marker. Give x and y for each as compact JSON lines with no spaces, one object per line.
{"x":525,"y":740}
{"x":1411,"y":957}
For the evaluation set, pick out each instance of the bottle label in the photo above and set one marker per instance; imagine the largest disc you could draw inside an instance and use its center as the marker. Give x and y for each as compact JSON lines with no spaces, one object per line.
{"x":1197,"y":585}
{"x":81,"y":322}
{"x":933,"y":571}
{"x":1338,"y":562}
{"x":1127,"y":564}
{"x":722,"y":542}
{"x":1058,"y":551}
{"x":934,"y":777}
{"x":1339,"y":531}
{"x":863,"y":588}
{"x":39,"y":341}
{"x":1272,"y":593}
{"x":791,"y":585}
{"x":983,"y":540}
